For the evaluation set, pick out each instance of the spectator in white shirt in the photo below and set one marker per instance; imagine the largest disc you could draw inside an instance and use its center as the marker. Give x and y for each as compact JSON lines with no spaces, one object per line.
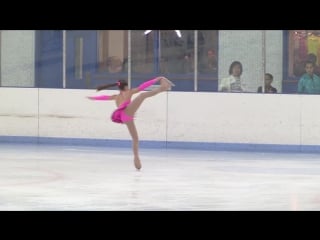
{"x":233,"y":82}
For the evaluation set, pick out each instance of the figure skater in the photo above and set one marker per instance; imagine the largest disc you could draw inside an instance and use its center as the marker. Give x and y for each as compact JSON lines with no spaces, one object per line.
{"x":126,"y":108}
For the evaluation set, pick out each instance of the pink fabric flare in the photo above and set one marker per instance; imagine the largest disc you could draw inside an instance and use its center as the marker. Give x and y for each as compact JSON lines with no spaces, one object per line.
{"x":147,"y":84}
{"x":119,"y":115}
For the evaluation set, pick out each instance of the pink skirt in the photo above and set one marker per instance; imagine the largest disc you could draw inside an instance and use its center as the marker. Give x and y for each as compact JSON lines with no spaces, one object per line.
{"x":119,"y":115}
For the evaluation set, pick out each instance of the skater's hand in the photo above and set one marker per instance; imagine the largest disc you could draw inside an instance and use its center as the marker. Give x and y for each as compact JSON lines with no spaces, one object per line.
{"x":161,"y":77}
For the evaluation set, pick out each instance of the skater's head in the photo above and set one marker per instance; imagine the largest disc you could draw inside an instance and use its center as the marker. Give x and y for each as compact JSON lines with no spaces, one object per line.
{"x":121,"y":84}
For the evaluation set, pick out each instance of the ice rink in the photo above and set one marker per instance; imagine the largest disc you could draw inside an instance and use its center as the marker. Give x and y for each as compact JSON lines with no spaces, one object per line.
{"x":54,"y":177}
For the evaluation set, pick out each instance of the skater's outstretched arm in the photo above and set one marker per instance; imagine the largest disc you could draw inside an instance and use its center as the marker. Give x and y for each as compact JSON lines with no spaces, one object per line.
{"x":103,"y":97}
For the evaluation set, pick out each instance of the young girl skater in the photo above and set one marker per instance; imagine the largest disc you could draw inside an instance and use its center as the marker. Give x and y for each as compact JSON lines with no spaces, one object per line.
{"x":126,"y":108}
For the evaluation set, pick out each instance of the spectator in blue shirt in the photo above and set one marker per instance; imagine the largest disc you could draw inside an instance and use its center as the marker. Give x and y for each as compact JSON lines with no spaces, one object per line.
{"x":309,"y":82}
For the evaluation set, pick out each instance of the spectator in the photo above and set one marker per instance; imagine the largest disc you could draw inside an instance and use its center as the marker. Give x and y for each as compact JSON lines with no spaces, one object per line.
{"x":212,"y":61}
{"x":114,"y":64}
{"x":309,"y":82}
{"x":233,"y":82}
{"x":268,"y":78}
{"x":188,"y":63}
{"x":299,"y":65}
{"x":209,"y":64}
{"x":313,"y":58}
